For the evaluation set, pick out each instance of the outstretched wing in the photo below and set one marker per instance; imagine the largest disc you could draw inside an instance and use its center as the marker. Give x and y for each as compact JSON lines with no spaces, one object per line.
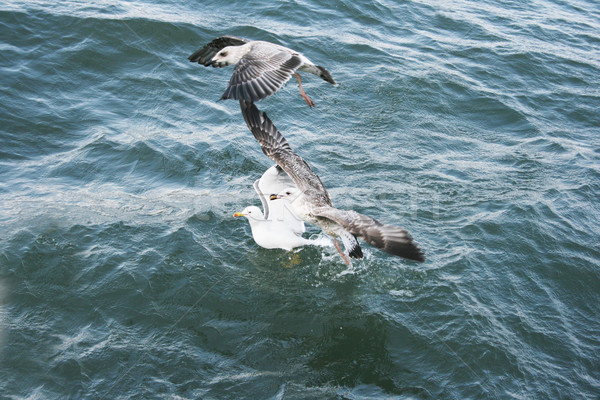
{"x":389,"y":238}
{"x":206,"y":53}
{"x":275,"y":147}
{"x":261,"y":73}
{"x":272,"y":181}
{"x":263,"y":199}
{"x":351,"y":244}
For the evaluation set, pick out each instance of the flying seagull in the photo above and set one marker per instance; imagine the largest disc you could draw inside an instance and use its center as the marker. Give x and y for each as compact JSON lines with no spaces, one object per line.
{"x":261,"y":68}
{"x":277,"y":227}
{"x":309,"y":199}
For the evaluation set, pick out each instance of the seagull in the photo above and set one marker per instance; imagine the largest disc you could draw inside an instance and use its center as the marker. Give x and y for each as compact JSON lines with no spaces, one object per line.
{"x":277,"y":227}
{"x":309,"y":200}
{"x":261,"y":68}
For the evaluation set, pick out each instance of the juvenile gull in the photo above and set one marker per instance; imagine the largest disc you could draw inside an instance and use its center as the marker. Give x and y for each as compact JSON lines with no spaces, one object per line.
{"x":309,"y":199}
{"x":277,"y":227}
{"x":261,"y":68}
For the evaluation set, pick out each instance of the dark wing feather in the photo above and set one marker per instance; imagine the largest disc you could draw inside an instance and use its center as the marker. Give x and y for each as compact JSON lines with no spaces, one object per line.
{"x":389,"y":238}
{"x":275,"y":147}
{"x":351,"y":244}
{"x":257,"y":76}
{"x":206,"y":53}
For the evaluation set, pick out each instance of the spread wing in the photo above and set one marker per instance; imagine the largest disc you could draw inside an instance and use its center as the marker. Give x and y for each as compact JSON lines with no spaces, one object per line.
{"x":263,"y":200}
{"x":389,"y":238}
{"x":261,"y":73}
{"x":272,"y":181}
{"x":275,"y":147}
{"x":206,"y":53}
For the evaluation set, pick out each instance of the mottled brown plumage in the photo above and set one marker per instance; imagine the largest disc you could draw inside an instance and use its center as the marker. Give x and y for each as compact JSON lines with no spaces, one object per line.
{"x":310,"y":201}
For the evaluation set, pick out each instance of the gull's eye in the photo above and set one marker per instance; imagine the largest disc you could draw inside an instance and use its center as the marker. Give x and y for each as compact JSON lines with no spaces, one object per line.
{"x":224,"y":54}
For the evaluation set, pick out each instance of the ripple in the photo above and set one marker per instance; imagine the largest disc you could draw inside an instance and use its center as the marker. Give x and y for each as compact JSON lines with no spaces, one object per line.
{"x":123,"y":273}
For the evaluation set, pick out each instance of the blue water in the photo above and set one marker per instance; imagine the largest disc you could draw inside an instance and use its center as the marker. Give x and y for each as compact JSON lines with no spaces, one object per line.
{"x":124,"y":275}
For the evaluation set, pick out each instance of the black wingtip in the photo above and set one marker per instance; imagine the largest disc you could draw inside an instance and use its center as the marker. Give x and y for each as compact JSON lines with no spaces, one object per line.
{"x":204,"y":55}
{"x":416,"y":255}
{"x":356,"y":252}
{"x":420,"y":255}
{"x":325,"y":75}
{"x":407,"y":250}
{"x":195,"y":56}
{"x":412,"y":251}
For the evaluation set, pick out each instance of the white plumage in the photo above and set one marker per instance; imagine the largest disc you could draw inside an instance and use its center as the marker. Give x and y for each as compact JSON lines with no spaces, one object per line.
{"x":277,"y":227}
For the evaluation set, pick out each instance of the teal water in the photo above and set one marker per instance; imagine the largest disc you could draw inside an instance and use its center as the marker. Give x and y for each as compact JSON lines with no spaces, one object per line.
{"x":124,"y":275}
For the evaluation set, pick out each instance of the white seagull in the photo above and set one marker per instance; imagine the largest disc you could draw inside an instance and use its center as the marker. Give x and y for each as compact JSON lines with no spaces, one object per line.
{"x":261,"y":68}
{"x":277,"y":227}
{"x":309,"y":199}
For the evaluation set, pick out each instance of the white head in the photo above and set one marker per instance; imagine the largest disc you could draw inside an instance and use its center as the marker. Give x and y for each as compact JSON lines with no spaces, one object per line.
{"x":290,"y":194}
{"x":251,"y":213}
{"x":229,"y":55}
{"x":293,"y":201}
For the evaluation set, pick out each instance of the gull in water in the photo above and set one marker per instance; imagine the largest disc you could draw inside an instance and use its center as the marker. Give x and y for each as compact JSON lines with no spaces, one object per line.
{"x":261,"y":68}
{"x":309,"y":200}
{"x":277,"y":227}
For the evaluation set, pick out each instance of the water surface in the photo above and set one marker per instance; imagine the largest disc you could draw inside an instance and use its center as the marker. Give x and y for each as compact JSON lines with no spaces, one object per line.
{"x":124,"y":275}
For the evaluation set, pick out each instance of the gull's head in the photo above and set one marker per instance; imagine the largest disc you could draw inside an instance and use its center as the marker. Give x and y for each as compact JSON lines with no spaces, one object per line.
{"x":228,"y":56}
{"x":251,"y":212}
{"x":290,"y":194}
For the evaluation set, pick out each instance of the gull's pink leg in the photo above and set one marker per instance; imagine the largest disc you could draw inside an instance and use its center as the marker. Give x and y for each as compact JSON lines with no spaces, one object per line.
{"x":344,"y":255}
{"x":302,"y":93}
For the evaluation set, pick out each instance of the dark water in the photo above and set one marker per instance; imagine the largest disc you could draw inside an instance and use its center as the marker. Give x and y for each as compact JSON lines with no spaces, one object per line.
{"x":123,"y":274}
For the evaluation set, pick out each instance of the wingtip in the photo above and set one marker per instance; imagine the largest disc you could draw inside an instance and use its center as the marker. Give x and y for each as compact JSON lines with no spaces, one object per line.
{"x":325,"y":75}
{"x":411,"y":251}
{"x":227,"y":95}
{"x":407,"y":249}
{"x":419,"y":256}
{"x":356,"y":252}
{"x":195,"y":56}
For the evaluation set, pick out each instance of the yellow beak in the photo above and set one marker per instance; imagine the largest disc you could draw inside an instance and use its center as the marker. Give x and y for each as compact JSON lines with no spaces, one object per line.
{"x":238,"y":214}
{"x":272,"y":197}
